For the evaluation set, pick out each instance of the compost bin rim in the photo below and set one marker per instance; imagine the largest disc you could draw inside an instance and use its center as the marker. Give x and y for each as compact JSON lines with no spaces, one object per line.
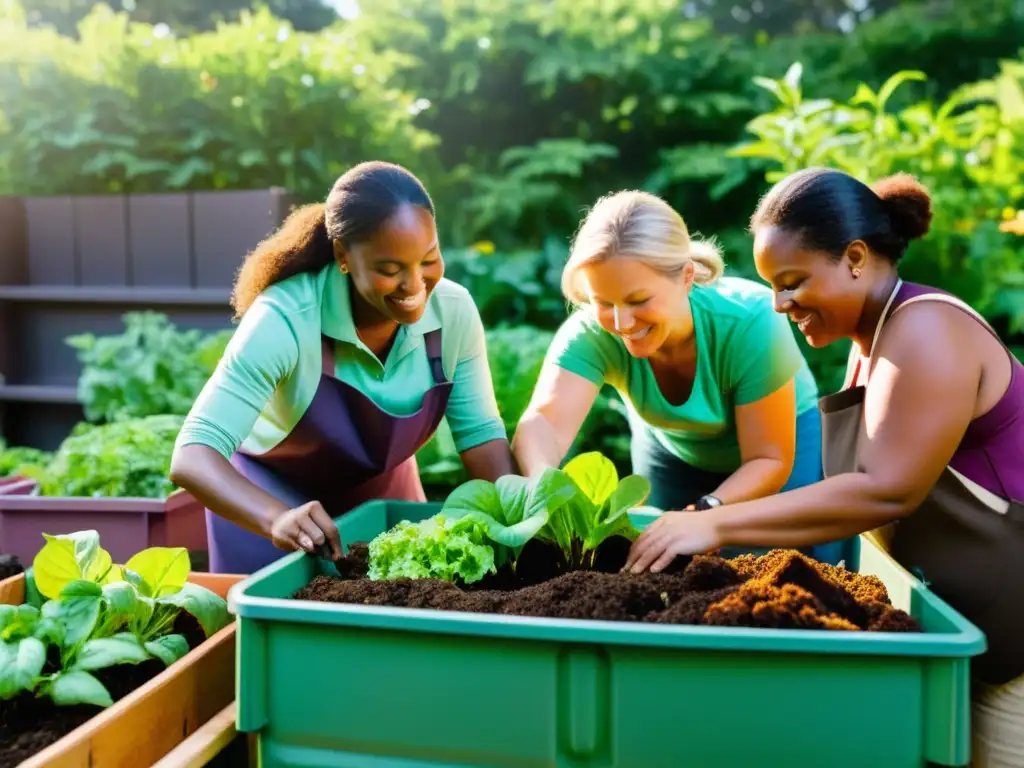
{"x":966,"y":643}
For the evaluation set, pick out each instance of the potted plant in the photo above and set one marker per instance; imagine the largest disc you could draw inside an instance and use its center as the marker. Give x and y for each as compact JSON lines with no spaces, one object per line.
{"x":498,"y":629}
{"x":107,"y":662}
{"x":112,"y":478}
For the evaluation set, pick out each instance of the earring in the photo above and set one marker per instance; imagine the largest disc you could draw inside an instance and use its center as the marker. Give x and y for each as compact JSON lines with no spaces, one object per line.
{"x":344,"y":269}
{"x":856,"y":272}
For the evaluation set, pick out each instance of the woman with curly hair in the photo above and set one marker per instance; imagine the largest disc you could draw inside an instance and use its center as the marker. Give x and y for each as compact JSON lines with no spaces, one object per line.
{"x":924,"y":446}
{"x":351,"y":348}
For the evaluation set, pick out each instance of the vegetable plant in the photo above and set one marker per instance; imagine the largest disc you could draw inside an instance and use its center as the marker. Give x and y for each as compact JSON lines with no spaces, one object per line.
{"x":436,"y":548}
{"x":123,"y":459}
{"x":576,"y":508}
{"x":94,"y":614}
{"x":511,"y":510}
{"x":596,"y":511}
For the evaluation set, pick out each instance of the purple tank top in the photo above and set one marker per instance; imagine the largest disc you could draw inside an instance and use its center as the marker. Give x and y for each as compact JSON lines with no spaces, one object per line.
{"x":991,"y":452}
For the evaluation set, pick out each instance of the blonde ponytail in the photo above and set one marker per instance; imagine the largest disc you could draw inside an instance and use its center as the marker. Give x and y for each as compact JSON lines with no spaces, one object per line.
{"x":707,"y":261}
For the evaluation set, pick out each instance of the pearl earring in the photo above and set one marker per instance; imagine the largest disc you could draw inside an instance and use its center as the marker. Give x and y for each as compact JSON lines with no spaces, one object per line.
{"x":344,"y":269}
{"x":856,"y":272}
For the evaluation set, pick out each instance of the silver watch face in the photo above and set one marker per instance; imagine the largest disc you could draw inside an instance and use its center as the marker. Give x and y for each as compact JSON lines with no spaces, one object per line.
{"x":712,"y":501}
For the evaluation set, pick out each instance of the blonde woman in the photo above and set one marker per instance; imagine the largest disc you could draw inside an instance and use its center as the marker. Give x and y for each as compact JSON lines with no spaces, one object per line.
{"x":721,"y":403}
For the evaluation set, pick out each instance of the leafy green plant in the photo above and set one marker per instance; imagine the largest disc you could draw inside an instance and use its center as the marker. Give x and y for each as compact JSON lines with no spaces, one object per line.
{"x":14,"y":458}
{"x":436,"y":548}
{"x":123,"y":459}
{"x":968,"y":150}
{"x":95,"y":614}
{"x":151,"y":368}
{"x":596,"y":511}
{"x":577,"y":508}
{"x":511,"y":510}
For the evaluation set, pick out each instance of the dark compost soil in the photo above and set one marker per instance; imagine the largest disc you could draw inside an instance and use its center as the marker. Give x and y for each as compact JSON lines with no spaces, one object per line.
{"x":28,"y":724}
{"x":781,"y":589}
{"x":10,"y":566}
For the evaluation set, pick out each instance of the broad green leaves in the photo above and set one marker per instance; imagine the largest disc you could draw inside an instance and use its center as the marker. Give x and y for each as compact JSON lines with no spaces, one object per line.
{"x":576,"y":508}
{"x":67,"y":558}
{"x":597,"y":509}
{"x":122,"y":648}
{"x":513,"y":509}
{"x":164,"y":570}
{"x":78,"y":687}
{"x":21,"y":663}
{"x":98,"y":615}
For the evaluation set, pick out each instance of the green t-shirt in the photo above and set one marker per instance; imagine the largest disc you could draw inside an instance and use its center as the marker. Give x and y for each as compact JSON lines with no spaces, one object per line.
{"x":745,"y":351}
{"x":273,"y":363}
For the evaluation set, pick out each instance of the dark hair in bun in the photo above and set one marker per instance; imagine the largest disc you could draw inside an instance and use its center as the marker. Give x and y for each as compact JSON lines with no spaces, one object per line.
{"x":829,"y":209}
{"x":908,"y":203}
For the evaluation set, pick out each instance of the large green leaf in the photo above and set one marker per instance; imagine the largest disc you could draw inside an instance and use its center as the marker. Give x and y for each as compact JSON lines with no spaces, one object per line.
{"x":209,"y":608}
{"x":78,"y":687}
{"x":21,"y":662}
{"x":99,"y":653}
{"x":164,"y":570}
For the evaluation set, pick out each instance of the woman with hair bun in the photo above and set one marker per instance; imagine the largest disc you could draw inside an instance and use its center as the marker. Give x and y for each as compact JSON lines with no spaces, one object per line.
{"x":721,"y":403}
{"x":352,"y":346}
{"x":924,"y":446}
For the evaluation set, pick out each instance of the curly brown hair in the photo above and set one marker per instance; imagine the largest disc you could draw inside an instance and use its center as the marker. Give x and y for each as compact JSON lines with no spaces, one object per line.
{"x":359,"y":204}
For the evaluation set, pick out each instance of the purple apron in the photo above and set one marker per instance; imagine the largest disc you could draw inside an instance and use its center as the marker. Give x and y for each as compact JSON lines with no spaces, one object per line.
{"x":344,"y":451}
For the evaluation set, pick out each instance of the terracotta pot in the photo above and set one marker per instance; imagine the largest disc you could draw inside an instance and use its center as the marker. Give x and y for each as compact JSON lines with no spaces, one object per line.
{"x":148,"y":724}
{"x":126,"y":526}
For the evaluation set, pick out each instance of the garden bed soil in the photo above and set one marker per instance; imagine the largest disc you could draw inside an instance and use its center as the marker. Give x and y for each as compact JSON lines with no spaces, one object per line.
{"x":10,"y":566}
{"x":28,"y":725}
{"x":782,"y":589}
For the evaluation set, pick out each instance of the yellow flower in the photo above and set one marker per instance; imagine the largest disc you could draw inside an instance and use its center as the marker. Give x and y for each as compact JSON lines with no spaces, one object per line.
{"x":1014,"y":226}
{"x":485,"y":247}
{"x":1008,"y":213}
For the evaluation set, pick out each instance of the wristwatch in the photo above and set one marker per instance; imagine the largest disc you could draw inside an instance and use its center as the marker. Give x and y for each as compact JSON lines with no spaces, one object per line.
{"x":708,"y":502}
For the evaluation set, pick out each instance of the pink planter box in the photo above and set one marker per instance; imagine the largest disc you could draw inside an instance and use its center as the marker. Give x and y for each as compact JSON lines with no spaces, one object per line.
{"x":17,"y":485}
{"x":125,"y":525}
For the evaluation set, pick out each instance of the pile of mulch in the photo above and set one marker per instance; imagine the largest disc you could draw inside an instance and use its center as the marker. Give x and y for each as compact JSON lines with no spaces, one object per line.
{"x":782,"y":589}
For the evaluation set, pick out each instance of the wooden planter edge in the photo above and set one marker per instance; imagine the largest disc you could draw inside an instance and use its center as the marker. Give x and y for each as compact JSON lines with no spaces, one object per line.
{"x":150,"y":722}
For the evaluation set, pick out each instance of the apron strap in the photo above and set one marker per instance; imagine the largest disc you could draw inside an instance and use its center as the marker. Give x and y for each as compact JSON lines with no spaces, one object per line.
{"x":327,"y":354}
{"x":432,"y":340}
{"x":959,"y":304}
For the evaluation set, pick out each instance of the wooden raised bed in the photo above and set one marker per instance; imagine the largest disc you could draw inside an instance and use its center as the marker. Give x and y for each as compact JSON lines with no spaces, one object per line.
{"x":73,"y":265}
{"x":148,"y":724}
{"x":126,"y":526}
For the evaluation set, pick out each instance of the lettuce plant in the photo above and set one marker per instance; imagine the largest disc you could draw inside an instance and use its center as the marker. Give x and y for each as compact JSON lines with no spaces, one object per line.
{"x":436,"y":548}
{"x":96,"y":614}
{"x":511,"y":510}
{"x":596,"y":511}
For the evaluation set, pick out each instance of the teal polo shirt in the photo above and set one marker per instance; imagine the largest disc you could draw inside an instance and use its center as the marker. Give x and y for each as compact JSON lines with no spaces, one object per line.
{"x":745,"y":351}
{"x":271,"y":368}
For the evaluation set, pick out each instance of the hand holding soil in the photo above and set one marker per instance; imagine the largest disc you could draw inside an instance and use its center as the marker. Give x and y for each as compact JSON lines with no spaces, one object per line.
{"x":306,"y":528}
{"x":672,"y":534}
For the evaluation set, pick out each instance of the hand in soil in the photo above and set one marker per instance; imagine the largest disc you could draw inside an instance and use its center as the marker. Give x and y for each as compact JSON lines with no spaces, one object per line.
{"x":306,"y":528}
{"x":670,"y":535}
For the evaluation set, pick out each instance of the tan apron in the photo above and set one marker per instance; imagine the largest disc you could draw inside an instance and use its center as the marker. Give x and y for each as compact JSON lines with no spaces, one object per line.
{"x":964,"y":542}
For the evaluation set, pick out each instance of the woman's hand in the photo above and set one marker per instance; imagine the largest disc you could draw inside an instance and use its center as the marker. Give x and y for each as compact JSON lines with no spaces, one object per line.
{"x":672,"y":534}
{"x":306,"y":528}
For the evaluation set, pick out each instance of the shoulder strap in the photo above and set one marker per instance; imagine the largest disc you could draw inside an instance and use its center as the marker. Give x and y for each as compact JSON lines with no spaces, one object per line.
{"x":432,"y":341}
{"x":327,"y":354}
{"x":955,"y":302}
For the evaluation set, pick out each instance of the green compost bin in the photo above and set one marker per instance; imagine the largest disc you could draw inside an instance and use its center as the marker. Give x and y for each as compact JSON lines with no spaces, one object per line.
{"x":352,"y":685}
